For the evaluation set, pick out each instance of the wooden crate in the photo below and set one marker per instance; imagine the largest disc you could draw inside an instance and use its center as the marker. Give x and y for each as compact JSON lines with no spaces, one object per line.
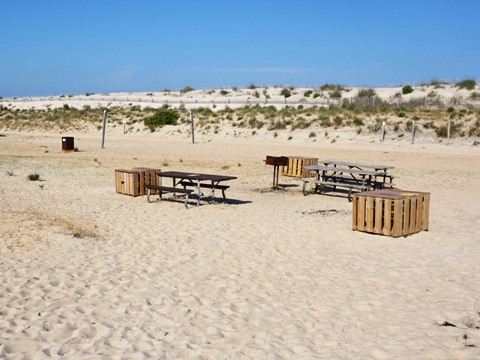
{"x":296,"y":166}
{"x":132,"y":182}
{"x":127,"y":182}
{"x":391,"y":212}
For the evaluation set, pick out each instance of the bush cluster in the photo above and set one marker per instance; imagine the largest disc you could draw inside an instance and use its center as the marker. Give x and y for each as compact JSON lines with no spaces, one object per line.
{"x":161,"y":118}
{"x":468,"y":84}
{"x":407,"y":89}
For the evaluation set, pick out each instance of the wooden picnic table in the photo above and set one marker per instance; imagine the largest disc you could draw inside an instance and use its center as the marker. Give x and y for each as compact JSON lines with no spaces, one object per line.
{"x":181,"y":181}
{"x":387,"y":177}
{"x":350,"y":178}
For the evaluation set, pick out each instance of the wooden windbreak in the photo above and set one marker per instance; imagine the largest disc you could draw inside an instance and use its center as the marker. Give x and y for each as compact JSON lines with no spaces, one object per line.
{"x":391,"y":212}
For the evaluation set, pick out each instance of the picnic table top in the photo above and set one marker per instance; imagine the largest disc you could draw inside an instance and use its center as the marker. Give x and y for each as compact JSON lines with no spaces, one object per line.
{"x":357,"y":165}
{"x":195,"y":176}
{"x":343,"y":170}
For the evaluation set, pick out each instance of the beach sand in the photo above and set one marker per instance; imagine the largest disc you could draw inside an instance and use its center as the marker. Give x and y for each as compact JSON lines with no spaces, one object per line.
{"x":88,"y":273}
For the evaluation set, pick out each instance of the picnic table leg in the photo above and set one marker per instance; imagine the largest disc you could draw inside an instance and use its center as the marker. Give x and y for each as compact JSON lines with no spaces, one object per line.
{"x":148,"y":195}
{"x":198,"y":192}
{"x":213,"y":191}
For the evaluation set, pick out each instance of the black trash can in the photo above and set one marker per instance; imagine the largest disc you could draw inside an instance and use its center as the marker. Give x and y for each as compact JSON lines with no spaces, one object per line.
{"x":68,"y":143}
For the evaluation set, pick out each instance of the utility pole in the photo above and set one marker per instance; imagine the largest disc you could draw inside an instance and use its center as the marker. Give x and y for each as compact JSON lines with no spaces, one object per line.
{"x":413,"y":131}
{"x":104,"y":126}
{"x":193,"y":127}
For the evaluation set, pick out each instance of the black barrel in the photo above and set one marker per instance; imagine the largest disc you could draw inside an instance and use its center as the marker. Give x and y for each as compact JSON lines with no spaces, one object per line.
{"x":68,"y":143}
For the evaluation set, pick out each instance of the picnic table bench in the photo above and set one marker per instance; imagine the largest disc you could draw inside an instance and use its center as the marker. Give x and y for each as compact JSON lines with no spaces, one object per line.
{"x":167,"y":189}
{"x":186,"y":184}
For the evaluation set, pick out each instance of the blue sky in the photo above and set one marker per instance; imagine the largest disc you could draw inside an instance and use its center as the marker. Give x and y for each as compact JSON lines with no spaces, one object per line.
{"x":57,"y":47}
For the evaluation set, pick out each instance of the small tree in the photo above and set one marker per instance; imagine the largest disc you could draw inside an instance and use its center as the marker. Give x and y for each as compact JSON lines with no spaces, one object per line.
{"x":286,"y":93}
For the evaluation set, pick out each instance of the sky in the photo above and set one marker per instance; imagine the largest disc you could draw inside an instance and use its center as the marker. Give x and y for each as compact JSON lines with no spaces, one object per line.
{"x":56,"y":47}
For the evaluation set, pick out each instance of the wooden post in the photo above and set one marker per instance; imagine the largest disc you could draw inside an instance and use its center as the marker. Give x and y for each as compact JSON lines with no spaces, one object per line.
{"x":383,"y":131}
{"x":413,"y":131}
{"x":124,"y":126}
{"x":104,"y":126}
{"x":448,"y":129}
{"x":193,"y":127}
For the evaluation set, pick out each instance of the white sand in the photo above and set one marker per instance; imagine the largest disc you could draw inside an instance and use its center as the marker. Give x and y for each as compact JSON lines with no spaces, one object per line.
{"x":88,"y":273}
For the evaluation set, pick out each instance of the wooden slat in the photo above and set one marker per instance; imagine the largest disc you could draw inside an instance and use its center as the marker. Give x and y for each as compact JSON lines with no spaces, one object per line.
{"x":369,"y":214}
{"x":413,"y":215}
{"x":354,"y":212}
{"x":387,"y":222}
{"x":425,"y":211}
{"x":406,"y":216}
{"x":361,"y":213}
{"x":379,"y":215}
{"x":418,"y":214}
{"x":397,"y":229}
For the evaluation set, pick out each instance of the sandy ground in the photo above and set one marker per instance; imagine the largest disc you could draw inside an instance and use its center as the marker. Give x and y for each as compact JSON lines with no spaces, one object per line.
{"x":89,"y":273}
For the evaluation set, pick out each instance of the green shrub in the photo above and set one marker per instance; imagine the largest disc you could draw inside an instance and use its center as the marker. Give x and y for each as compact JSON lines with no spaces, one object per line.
{"x":408,"y":125}
{"x":186,"y":89}
{"x":307,"y":93}
{"x":337,"y":94}
{"x":475,"y":96}
{"x":468,"y":84}
{"x":366,"y":93}
{"x":331,"y":87}
{"x":429,"y":125}
{"x":223,"y":92}
{"x":161,"y":118}
{"x":407,"y":89}
{"x":442,"y":131}
{"x":33,"y":177}
{"x":358,"y":121}
{"x":450,"y":110}
{"x":286,"y":93}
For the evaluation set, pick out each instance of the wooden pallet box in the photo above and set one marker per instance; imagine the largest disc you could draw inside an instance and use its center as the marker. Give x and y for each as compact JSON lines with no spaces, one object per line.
{"x":391,"y":212}
{"x":147,"y":176}
{"x":127,"y":182}
{"x":132,"y":182}
{"x":296,"y":166}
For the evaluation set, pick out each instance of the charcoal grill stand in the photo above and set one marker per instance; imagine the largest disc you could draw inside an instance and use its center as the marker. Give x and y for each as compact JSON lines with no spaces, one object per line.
{"x":276,"y":161}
